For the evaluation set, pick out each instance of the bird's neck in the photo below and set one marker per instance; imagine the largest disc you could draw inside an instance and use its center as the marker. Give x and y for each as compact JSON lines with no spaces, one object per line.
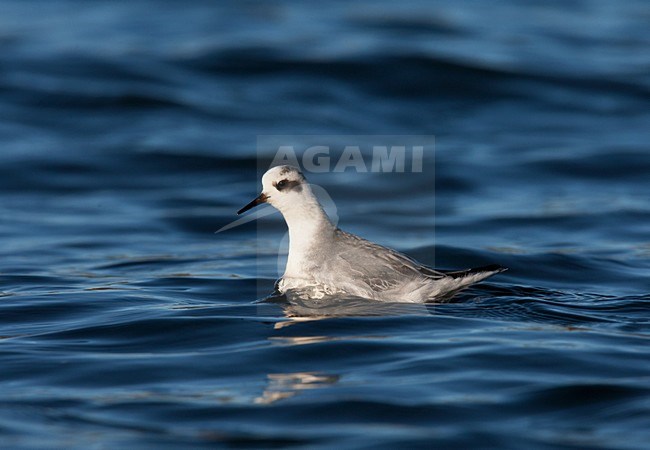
{"x":308,"y":224}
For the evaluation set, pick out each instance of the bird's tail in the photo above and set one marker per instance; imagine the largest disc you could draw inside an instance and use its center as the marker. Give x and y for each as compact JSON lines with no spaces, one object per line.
{"x":460,"y":279}
{"x":477,"y":272}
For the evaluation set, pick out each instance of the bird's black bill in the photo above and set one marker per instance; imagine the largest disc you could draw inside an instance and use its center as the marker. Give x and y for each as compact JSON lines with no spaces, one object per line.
{"x":259,"y":200}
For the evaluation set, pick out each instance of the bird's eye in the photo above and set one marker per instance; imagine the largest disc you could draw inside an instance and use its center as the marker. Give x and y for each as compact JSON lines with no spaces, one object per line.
{"x":281,"y":184}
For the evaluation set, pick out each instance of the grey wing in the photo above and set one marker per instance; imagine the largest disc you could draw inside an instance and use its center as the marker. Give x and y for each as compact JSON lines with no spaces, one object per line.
{"x":381,"y":267}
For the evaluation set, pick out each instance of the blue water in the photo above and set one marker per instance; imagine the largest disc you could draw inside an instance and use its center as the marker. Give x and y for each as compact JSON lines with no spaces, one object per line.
{"x":129,"y":134}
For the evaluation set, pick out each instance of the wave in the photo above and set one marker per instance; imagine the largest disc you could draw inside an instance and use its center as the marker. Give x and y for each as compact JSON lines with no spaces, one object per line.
{"x":410,"y":74}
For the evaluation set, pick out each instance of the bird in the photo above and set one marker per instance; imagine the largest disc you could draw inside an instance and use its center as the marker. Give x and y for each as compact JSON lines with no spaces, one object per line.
{"x":324,"y":260}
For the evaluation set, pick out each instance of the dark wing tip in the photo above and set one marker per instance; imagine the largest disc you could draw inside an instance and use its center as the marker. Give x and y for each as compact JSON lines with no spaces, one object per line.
{"x":489,"y":268}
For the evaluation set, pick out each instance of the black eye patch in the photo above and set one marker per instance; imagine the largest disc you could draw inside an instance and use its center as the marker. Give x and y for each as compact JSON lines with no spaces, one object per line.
{"x":281,"y":184}
{"x":287,"y":185}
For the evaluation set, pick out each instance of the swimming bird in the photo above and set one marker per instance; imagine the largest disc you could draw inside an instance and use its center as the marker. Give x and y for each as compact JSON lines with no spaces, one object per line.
{"x":325,"y":260}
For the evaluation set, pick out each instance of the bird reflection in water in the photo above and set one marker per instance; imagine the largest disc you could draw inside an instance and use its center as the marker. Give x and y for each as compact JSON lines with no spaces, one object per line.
{"x":286,"y":385}
{"x":299,"y":309}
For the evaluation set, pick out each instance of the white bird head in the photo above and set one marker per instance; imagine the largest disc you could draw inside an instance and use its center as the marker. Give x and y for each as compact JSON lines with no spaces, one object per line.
{"x":284,"y":187}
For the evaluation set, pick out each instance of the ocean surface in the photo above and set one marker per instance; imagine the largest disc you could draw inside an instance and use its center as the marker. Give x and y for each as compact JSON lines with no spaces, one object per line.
{"x":131,"y":131}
